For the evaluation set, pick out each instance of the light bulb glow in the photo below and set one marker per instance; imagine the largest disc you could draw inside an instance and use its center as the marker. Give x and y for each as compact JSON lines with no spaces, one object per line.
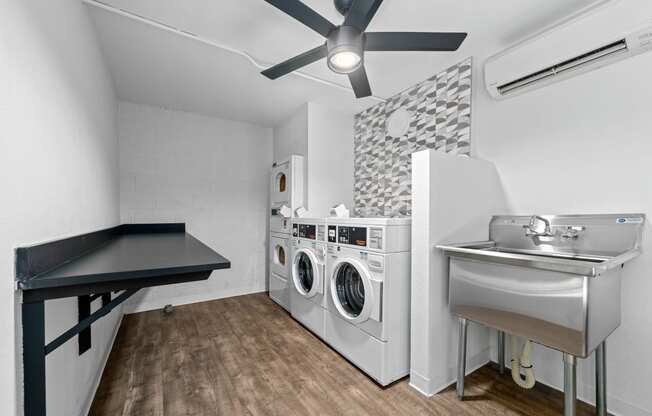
{"x":344,"y":61}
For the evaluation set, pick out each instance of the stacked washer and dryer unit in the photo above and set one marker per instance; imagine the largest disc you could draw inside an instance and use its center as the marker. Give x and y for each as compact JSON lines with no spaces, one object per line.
{"x":285,"y":197}
{"x":350,"y":286}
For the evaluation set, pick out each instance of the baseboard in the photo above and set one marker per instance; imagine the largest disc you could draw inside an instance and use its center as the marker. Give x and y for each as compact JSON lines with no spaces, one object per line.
{"x":425,"y":386}
{"x":187,"y":300}
{"x":420,"y":383}
{"x":105,"y":360}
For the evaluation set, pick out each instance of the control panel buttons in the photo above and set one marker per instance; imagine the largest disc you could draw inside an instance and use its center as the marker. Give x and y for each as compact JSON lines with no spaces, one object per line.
{"x":332,"y":234}
{"x":376,"y":238}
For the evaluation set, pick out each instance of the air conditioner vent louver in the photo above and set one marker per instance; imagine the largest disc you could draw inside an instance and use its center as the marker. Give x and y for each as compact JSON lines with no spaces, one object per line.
{"x":592,"y":57}
{"x":580,"y":43}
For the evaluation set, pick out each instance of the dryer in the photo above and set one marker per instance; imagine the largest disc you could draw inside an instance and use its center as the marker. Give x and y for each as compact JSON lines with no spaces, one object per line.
{"x":286,"y":193}
{"x":279,"y":271}
{"x":308,"y":273}
{"x":368,"y":294}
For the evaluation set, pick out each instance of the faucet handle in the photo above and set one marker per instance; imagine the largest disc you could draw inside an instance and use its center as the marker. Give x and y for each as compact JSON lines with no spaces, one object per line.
{"x":572,"y":231}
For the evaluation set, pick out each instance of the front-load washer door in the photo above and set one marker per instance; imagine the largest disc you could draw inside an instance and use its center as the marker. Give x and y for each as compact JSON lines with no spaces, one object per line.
{"x":356,"y":296}
{"x":306,"y":273}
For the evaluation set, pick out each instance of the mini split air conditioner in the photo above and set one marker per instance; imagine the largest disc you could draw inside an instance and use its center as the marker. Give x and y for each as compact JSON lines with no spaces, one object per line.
{"x":583,"y":42}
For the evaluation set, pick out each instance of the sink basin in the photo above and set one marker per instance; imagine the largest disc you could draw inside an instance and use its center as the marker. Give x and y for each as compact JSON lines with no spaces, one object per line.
{"x":589,"y":264}
{"x":558,"y":285}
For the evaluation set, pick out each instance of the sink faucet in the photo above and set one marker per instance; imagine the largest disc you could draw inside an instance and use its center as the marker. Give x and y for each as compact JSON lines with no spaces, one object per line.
{"x":572,"y":232}
{"x":538,"y":227}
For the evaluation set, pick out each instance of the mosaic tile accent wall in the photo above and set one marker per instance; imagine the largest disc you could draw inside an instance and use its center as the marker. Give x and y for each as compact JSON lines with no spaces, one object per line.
{"x":440,"y":118}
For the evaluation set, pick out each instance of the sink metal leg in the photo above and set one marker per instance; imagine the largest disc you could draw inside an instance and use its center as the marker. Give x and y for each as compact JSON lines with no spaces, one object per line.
{"x":601,"y":379}
{"x":501,"y":352}
{"x":570,"y":385}
{"x":461,"y":359}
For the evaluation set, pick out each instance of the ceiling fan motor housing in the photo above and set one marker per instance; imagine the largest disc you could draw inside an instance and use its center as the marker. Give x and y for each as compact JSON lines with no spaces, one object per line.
{"x":345,"y":39}
{"x":343,"y":6}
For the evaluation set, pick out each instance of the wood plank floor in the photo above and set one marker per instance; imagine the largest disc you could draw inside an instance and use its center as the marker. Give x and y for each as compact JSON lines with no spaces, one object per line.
{"x":246,"y":356}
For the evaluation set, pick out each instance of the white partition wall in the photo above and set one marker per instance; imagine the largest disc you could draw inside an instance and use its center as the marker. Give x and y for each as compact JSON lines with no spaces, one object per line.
{"x":324,"y":137}
{"x":453,"y":198}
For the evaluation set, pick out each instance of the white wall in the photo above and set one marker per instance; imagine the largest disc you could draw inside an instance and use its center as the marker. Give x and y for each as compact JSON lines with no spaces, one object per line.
{"x":324,"y":136}
{"x":58,"y":175}
{"x":330,"y":159}
{"x":210,"y":173}
{"x":291,"y":135}
{"x":584,"y":146}
{"x":453,"y":199}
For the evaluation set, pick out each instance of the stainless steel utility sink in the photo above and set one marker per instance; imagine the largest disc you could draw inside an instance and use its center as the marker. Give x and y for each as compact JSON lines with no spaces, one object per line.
{"x":552,"y":279}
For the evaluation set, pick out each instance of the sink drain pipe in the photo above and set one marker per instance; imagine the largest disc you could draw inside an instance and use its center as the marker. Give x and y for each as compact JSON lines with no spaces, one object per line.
{"x":522,"y":363}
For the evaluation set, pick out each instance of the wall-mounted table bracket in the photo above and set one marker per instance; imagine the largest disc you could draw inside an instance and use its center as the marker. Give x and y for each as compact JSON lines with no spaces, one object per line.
{"x":83,"y":312}
{"x":85,"y":324}
{"x":106,"y":298}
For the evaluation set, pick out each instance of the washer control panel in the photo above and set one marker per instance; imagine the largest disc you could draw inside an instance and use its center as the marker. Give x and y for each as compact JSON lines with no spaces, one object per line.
{"x":355,"y":236}
{"x":370,"y":237}
{"x":308,"y":231}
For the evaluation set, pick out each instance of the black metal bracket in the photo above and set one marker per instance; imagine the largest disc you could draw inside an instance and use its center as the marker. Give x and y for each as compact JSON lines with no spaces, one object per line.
{"x":86,"y":323}
{"x":84,"y":303}
{"x":83,"y":312}
{"x":35,"y":350}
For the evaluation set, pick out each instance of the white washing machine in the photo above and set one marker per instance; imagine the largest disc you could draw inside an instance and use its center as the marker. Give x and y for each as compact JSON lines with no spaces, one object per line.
{"x":279,"y":270}
{"x":308,"y":273}
{"x":368,"y":299}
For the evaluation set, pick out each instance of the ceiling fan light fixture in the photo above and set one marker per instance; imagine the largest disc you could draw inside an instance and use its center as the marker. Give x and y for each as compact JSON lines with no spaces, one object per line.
{"x":344,"y":61}
{"x":345,"y":50}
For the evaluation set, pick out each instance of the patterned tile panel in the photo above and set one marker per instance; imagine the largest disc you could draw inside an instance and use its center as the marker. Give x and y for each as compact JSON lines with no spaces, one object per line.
{"x":440,"y":118}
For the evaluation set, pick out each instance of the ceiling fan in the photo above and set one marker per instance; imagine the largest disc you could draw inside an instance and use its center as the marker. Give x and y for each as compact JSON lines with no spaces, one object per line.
{"x":345,"y":44}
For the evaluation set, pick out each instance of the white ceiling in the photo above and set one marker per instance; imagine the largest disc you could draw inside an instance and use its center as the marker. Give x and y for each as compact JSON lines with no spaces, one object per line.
{"x":156,"y":67}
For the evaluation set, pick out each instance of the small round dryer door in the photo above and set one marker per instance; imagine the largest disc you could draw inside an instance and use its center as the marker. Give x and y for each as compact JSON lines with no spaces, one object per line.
{"x":279,"y":255}
{"x":305,"y":273}
{"x":351,"y":290}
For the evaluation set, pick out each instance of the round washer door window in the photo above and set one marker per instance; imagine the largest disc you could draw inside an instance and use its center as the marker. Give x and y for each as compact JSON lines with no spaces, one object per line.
{"x":349,"y":288}
{"x":305,"y":272}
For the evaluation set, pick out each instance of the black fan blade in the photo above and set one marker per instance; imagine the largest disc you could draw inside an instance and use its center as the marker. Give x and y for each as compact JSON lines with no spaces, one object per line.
{"x":305,"y":15}
{"x":361,"y":13}
{"x":295,"y":63}
{"x":360,"y":83}
{"x":413,"y":41}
